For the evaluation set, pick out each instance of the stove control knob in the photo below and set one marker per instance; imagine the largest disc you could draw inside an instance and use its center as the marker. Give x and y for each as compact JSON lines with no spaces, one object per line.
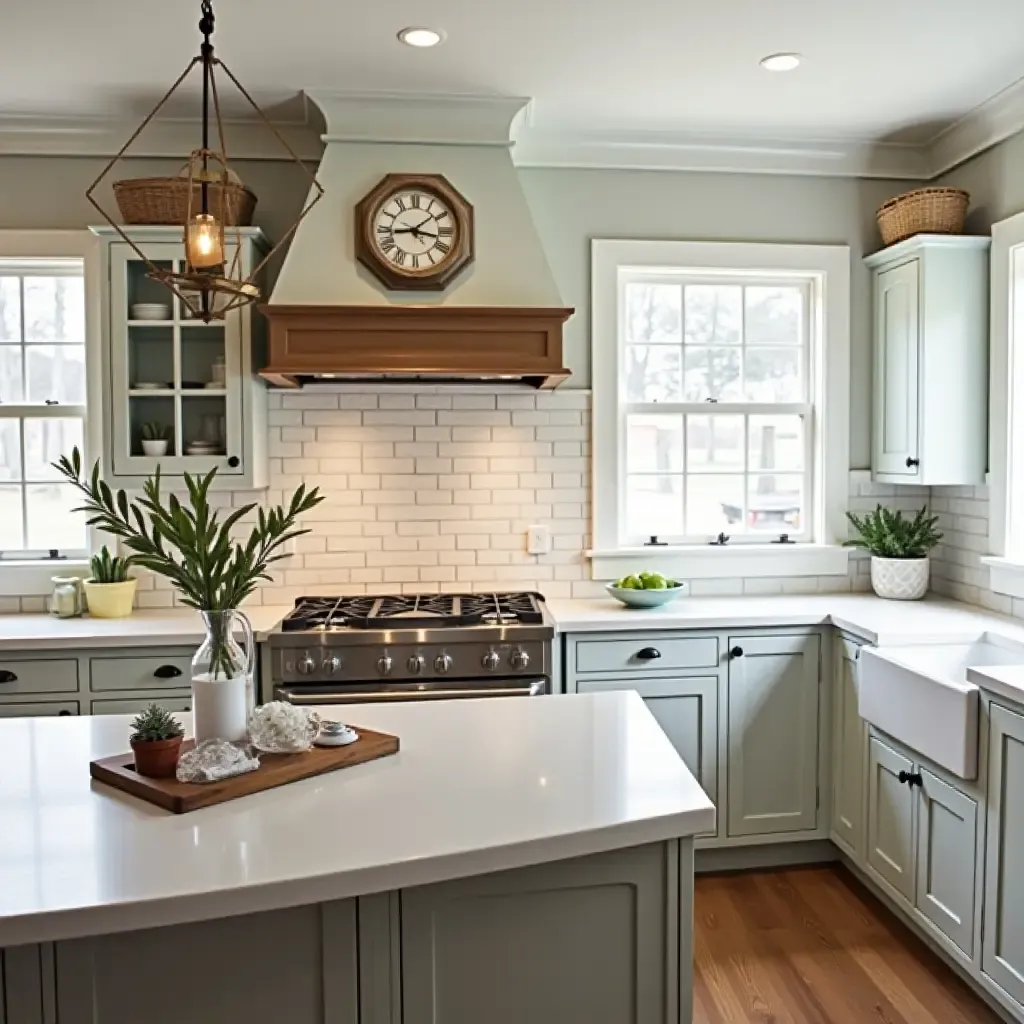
{"x":416,"y":664}
{"x":490,"y":661}
{"x":384,"y":665}
{"x":331,"y":664}
{"x":443,"y":664}
{"x":306,"y":665}
{"x":519,"y":659}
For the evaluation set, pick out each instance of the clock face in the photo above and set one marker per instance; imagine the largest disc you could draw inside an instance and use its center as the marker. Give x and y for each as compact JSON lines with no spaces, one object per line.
{"x":415,"y":232}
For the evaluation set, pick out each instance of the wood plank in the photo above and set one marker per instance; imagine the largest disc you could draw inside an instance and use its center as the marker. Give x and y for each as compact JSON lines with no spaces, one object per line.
{"x":275,"y":770}
{"x":812,"y":946}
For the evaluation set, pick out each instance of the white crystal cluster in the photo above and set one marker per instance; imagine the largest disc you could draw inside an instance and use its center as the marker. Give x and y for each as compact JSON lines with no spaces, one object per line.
{"x":282,"y":728}
{"x":213,"y":760}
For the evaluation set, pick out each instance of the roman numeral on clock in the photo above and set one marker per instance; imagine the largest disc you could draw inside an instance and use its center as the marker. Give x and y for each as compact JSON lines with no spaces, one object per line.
{"x":386,"y":245}
{"x":440,"y":246}
{"x":445,"y":232}
{"x":415,"y":200}
{"x":415,"y":261}
{"x":399,"y":257}
{"x":384,"y":230}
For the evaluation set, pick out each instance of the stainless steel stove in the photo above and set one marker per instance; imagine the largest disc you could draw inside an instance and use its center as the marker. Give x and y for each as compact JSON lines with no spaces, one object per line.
{"x":343,"y":650}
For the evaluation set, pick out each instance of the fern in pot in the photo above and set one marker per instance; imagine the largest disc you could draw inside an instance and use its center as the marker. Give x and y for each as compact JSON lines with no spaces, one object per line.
{"x":899,"y":546}
{"x":212,"y":572}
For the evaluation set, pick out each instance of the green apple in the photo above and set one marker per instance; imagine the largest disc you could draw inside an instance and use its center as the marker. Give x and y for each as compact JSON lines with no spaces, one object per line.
{"x":655,"y":582}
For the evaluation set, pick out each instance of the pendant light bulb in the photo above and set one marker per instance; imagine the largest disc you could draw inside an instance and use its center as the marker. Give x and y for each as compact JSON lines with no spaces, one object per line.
{"x":204,"y":241}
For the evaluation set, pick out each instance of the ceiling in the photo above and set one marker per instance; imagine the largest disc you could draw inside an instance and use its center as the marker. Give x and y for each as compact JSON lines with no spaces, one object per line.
{"x":895,"y":70}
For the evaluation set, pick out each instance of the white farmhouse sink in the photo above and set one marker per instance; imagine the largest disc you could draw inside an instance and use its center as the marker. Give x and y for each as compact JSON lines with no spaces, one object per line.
{"x":920,"y":696}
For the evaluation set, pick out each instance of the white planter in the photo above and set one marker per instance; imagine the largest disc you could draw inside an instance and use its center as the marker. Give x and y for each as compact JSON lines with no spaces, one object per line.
{"x":900,"y":579}
{"x":220,"y":708}
{"x":153,"y":448}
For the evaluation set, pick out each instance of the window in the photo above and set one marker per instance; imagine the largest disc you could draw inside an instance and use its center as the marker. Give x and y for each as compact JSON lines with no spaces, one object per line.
{"x":42,"y":404}
{"x":721,"y":406}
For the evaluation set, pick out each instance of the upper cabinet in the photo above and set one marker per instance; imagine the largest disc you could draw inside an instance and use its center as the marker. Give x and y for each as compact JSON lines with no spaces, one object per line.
{"x":931,"y":360}
{"x":170,"y":378}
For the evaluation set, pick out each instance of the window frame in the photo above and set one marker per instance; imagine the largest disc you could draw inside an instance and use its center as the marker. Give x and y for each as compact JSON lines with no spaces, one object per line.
{"x":825,"y":269}
{"x":30,"y":576}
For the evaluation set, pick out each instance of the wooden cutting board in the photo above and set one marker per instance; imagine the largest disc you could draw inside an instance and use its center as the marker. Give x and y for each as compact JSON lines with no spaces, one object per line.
{"x":274,"y":770}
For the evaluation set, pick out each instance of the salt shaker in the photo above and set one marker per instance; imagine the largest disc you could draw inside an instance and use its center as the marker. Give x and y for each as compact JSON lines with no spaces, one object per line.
{"x":66,"y":599}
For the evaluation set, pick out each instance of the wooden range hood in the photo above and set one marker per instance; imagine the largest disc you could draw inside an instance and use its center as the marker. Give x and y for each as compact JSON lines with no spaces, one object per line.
{"x":432,"y":344}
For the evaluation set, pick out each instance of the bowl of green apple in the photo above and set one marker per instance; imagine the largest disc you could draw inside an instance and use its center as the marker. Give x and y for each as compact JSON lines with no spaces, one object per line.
{"x":645,"y":590}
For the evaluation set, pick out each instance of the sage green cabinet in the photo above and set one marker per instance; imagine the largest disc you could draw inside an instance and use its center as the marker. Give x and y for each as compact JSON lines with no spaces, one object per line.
{"x":890,"y":817}
{"x":773,"y":704}
{"x":849,"y":751}
{"x":1002,"y":957}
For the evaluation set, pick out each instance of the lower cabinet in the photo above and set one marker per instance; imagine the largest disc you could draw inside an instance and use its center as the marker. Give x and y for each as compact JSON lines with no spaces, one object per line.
{"x":1002,"y":956}
{"x":890,"y":817}
{"x":19,"y":709}
{"x":773,"y":704}
{"x":133,"y":707}
{"x":849,"y":751}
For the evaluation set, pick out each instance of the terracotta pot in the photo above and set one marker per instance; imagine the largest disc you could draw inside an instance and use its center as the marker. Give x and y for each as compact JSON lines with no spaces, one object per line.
{"x":157,"y":759}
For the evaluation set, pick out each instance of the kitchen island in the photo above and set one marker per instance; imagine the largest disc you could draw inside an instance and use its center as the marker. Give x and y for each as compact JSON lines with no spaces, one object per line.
{"x":516,"y":860}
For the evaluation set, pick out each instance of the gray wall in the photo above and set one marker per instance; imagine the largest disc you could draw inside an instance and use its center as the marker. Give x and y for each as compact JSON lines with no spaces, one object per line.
{"x":571,"y":207}
{"x":995,"y":180}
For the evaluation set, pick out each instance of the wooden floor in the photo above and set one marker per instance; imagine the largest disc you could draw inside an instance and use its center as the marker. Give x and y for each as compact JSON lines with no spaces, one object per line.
{"x":812,"y":946}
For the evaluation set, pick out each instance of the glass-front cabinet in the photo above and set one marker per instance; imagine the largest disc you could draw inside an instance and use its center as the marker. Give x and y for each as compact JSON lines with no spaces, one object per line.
{"x":179,"y":393}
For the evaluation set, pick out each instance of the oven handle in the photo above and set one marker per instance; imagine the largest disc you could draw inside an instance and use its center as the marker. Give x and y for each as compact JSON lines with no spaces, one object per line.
{"x":534,"y":688}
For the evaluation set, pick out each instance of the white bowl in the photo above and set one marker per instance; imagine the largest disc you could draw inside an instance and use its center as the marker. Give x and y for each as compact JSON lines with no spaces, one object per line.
{"x":645,"y":598}
{"x":149,"y":311}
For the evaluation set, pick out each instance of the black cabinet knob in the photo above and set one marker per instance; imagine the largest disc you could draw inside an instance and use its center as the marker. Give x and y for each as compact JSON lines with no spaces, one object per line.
{"x":736,"y":652}
{"x":167,"y":672}
{"x":911,"y":462}
{"x":7,"y":676}
{"x":63,"y":713}
{"x":234,"y":461}
{"x":911,"y":779}
{"x":648,"y":654}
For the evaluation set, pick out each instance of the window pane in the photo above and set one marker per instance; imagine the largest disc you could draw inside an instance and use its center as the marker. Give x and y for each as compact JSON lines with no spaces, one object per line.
{"x":654,"y":505}
{"x":56,"y":373}
{"x":51,"y":521}
{"x":11,"y":523}
{"x":774,"y":316}
{"x":46,"y":440}
{"x":713,"y":373}
{"x":776,"y":442}
{"x":714,"y":504}
{"x":10,"y":309}
{"x":773,"y":375}
{"x":10,"y":450}
{"x":654,"y":314}
{"x":11,"y":387}
{"x":653,"y":373}
{"x":775,"y":504}
{"x":55,"y":309}
{"x":714,"y":444}
{"x":713,"y":314}
{"x":654,"y":444}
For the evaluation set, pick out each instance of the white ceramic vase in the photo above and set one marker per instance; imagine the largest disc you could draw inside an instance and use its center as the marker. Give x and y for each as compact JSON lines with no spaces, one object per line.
{"x":222,"y":679}
{"x":900,"y":579}
{"x":154,"y":447}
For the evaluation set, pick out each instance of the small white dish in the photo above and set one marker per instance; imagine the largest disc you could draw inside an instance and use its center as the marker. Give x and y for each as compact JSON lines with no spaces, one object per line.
{"x":149,"y":311}
{"x":148,"y":385}
{"x":335,"y":734}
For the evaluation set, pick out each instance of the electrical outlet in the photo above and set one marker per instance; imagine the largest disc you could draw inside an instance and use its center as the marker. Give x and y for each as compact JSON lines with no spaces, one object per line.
{"x":538,"y":540}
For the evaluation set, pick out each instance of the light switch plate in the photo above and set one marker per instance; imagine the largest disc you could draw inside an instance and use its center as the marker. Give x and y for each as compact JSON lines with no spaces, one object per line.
{"x":538,"y":540}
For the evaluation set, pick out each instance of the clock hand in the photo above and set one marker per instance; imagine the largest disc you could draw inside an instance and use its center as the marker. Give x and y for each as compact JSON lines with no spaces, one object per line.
{"x":416,"y":232}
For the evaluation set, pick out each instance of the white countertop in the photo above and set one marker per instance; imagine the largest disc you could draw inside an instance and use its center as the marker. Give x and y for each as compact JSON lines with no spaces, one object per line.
{"x":143,"y":628}
{"x":1002,"y":680}
{"x":478,"y":786}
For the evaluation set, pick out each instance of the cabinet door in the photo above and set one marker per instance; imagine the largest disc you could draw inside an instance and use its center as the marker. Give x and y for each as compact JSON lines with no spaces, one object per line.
{"x":1002,"y":955}
{"x":890,"y":817}
{"x":849,"y":752}
{"x":687,"y":711}
{"x":576,"y":940}
{"x":19,"y":710}
{"x":773,"y":734}
{"x":947,"y":832}
{"x":896,"y":370}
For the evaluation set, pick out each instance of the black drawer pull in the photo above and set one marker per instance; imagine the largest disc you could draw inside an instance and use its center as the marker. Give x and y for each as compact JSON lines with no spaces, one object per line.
{"x":64,"y":712}
{"x":167,"y":672}
{"x":736,"y":652}
{"x":648,"y":654}
{"x":912,"y":462}
{"x":234,"y":461}
{"x":7,"y":676}
{"x":911,"y":779}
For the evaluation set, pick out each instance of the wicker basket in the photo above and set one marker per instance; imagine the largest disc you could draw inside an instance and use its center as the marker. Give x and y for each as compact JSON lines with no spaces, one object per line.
{"x":939,"y":211}
{"x":165,"y":200}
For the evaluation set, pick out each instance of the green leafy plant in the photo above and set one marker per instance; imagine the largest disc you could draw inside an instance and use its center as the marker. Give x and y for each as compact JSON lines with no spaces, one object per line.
{"x":155,"y":723}
{"x":153,"y":431}
{"x":887,"y":534}
{"x":107,"y":569}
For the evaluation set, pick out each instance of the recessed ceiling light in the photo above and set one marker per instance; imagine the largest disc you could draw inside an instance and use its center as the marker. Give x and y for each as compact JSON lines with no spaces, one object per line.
{"x":781,"y":61}
{"x":420,"y":36}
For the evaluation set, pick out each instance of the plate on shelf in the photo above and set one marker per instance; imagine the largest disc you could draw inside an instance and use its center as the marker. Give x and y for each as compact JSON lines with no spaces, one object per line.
{"x":149,"y":311}
{"x":146,"y":385}
{"x":200,"y":448}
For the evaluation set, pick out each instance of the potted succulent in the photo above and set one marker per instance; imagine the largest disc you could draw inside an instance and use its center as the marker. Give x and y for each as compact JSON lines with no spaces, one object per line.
{"x":900,"y":566}
{"x":109,"y":591}
{"x":155,"y":438}
{"x":156,"y":742}
{"x":213,"y":571}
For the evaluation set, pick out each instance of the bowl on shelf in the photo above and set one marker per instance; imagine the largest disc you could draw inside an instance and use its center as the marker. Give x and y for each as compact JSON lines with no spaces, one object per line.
{"x":149,"y":311}
{"x":149,"y":385}
{"x":645,"y":598}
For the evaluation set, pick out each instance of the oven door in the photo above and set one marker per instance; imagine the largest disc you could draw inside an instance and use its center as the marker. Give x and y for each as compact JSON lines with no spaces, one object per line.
{"x":364,"y":693}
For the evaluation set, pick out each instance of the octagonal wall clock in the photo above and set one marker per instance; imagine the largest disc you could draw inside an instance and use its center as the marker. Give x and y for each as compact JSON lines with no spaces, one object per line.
{"x":414,"y":231}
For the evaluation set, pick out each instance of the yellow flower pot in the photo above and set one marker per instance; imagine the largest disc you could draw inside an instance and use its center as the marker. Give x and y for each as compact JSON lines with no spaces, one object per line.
{"x":110,"y":600}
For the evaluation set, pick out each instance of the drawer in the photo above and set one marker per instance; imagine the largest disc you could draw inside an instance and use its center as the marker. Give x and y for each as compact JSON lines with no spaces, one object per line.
{"x":134,"y":707}
{"x":646,"y":654}
{"x":127,"y":673}
{"x":43,"y":675}
{"x":57,"y":707}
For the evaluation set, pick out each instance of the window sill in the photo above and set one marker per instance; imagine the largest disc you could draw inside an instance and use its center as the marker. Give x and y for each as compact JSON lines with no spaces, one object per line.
{"x":1005,"y":576}
{"x":708,"y":562}
{"x":32,"y":579}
